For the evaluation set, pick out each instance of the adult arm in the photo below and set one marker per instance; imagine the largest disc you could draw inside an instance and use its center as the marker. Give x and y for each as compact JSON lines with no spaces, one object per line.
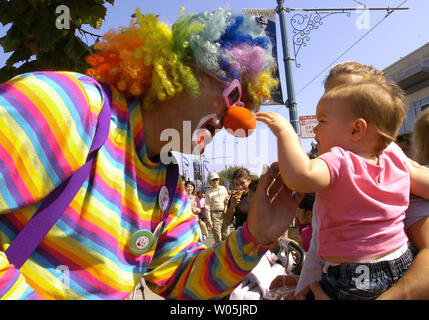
{"x":419,"y":176}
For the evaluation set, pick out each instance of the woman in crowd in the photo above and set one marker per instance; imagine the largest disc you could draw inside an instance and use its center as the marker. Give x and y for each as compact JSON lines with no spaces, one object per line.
{"x":238,"y":204}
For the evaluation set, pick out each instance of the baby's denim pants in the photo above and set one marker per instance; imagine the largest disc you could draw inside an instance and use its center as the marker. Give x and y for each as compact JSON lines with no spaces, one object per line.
{"x":364,"y":281}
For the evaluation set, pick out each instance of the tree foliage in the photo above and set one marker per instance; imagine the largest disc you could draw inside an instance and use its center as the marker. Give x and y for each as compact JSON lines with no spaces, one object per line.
{"x":225,"y":176}
{"x":35,"y":41}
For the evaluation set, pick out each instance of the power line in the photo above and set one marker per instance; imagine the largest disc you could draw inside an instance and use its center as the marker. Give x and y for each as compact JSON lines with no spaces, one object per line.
{"x":360,"y":3}
{"x":347,"y":50}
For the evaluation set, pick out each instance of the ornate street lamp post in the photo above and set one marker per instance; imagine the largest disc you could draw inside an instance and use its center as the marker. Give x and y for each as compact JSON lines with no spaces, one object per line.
{"x":307,"y":20}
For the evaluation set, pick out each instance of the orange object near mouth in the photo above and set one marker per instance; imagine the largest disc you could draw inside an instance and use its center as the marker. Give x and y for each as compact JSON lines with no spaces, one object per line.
{"x":239,"y":121}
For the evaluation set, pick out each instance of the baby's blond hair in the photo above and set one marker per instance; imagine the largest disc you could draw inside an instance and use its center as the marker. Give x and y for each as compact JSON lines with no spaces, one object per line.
{"x":355,"y":68}
{"x":379,"y":103}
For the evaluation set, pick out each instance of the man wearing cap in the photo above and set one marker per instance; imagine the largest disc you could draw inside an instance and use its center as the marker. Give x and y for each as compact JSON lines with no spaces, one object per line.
{"x":215,"y":206}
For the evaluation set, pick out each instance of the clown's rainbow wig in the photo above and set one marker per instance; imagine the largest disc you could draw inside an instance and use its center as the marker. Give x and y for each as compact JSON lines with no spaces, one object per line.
{"x":150,"y":59}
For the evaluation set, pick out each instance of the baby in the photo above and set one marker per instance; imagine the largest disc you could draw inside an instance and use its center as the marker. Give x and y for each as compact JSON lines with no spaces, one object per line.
{"x":362,"y":183}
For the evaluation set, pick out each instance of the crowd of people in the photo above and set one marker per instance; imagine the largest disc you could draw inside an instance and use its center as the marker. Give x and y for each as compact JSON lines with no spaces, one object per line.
{"x":87,"y":182}
{"x":220,"y":209}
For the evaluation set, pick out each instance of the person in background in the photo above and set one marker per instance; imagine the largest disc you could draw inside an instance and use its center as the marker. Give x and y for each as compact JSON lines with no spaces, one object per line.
{"x":421,"y":137}
{"x":405,"y":141}
{"x":417,"y":221}
{"x":215,"y":206}
{"x":195,"y":204}
{"x":304,"y":215}
{"x":238,"y":204}
{"x":203,"y":217}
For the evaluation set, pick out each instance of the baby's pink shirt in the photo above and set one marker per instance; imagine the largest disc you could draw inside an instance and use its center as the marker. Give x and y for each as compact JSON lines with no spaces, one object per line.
{"x":361,"y":213}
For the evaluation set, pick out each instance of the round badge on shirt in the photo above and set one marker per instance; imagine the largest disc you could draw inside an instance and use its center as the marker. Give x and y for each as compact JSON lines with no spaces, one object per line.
{"x":141,"y":242}
{"x":163,"y":198}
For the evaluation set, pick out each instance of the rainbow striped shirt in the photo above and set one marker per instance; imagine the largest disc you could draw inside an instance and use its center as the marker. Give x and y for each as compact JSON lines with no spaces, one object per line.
{"x":47,"y":122}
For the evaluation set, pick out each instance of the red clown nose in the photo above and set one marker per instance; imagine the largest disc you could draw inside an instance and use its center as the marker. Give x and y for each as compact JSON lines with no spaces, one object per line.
{"x":239,"y":121}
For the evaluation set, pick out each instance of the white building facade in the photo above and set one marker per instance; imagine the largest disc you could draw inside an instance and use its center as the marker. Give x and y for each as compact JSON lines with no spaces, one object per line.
{"x":412,"y":74}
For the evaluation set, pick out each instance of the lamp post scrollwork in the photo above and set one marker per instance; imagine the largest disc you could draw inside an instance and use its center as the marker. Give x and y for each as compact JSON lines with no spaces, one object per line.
{"x":309,"y":19}
{"x":303,"y":24}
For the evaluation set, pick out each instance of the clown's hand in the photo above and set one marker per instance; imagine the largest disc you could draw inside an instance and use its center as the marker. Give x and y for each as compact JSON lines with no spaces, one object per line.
{"x":272,"y":209}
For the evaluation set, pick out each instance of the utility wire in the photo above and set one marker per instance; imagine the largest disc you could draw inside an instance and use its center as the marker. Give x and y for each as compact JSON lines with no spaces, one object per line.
{"x":351,"y":47}
{"x":347,"y":50}
{"x":360,"y":3}
{"x":342,"y":54}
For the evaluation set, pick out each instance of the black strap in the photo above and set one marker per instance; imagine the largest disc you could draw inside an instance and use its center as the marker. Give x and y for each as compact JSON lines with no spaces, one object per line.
{"x":171,"y":183}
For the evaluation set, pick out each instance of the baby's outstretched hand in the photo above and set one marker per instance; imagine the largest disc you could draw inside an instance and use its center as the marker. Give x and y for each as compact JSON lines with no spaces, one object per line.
{"x":274,"y":121}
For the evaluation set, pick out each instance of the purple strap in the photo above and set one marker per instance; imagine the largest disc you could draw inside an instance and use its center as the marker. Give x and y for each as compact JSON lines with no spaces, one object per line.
{"x":59,"y":199}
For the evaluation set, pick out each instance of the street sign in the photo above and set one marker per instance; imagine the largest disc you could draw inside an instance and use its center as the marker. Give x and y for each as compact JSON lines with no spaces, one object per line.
{"x":307,"y":123}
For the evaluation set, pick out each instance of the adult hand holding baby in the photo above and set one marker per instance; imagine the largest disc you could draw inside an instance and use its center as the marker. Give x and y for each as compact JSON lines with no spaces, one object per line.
{"x":273,"y":207}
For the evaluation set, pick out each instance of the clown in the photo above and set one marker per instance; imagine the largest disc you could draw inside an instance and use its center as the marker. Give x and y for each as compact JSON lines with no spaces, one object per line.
{"x":155,"y":65}
{"x":119,"y":228}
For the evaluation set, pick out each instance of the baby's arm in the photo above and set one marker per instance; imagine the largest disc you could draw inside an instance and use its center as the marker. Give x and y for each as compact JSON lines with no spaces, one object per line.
{"x":298,"y":171}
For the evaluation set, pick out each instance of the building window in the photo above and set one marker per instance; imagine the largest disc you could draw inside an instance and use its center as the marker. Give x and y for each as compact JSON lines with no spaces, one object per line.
{"x":414,"y":110}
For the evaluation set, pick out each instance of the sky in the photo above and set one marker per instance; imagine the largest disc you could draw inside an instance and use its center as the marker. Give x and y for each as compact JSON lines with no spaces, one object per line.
{"x":364,"y":36}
